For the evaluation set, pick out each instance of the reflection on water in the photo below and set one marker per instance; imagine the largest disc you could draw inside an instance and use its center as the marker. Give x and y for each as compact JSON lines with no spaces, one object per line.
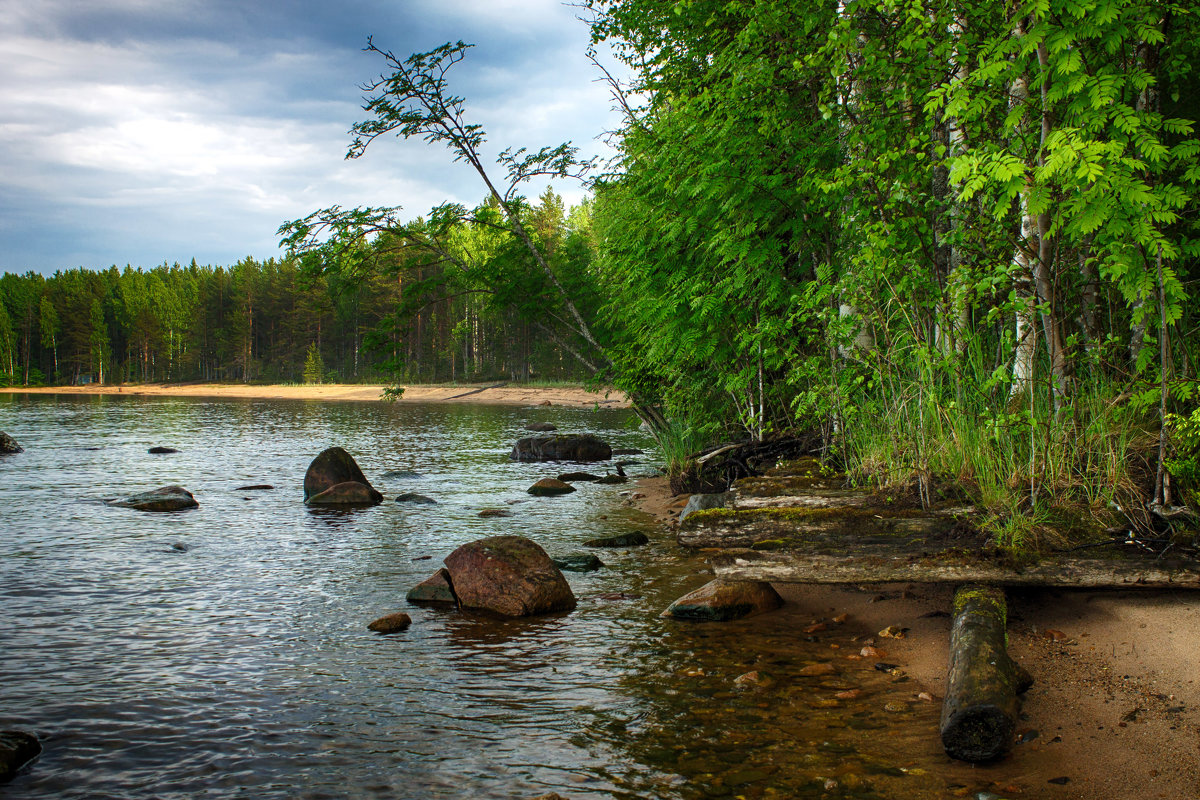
{"x":223,"y":651}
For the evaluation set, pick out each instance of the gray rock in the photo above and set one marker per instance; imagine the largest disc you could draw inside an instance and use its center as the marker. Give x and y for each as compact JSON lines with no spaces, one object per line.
{"x":402,"y":473}
{"x":159,"y":451}
{"x":164,"y":498}
{"x":435,"y":589}
{"x":8,"y":445}
{"x":700,"y":502}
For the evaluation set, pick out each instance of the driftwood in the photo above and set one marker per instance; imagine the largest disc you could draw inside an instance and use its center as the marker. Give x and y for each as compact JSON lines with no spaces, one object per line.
{"x":979,"y":714}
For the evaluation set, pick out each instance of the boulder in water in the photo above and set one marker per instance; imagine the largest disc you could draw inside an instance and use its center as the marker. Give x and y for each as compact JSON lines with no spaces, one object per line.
{"x":435,"y":589}
{"x":561,"y":447}
{"x":721,"y":601}
{"x":17,"y":748}
{"x":575,"y":477}
{"x":159,"y":451}
{"x":331,"y":467}
{"x":349,"y":493}
{"x":493,"y":513}
{"x":550,"y":487}
{"x":635,"y":539}
{"x":8,"y":445}
{"x":419,"y":499}
{"x":164,"y":498}
{"x":392,"y":623}
{"x":585,"y":562}
{"x":612,"y":479}
{"x":508,"y":575}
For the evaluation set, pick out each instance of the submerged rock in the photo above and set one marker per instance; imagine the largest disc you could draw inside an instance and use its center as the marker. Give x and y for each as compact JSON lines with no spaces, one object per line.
{"x":330,"y":468}
{"x":550,"y":487}
{"x":8,"y":445}
{"x":541,"y":427}
{"x":435,"y":589}
{"x":490,"y":513}
{"x":392,"y":623}
{"x":257,"y":487}
{"x":563,"y":447}
{"x":635,"y":539}
{"x":612,"y":479}
{"x":350,"y":493}
{"x":721,"y":601}
{"x":627,"y":451}
{"x":164,"y":498}
{"x":576,"y":477}
{"x":402,"y":473}
{"x":158,"y":451}
{"x":584,"y":562}
{"x":419,"y":499}
{"x":17,"y":748}
{"x":508,"y":575}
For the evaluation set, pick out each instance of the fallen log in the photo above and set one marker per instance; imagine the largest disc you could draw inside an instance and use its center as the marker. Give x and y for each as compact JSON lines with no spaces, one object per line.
{"x":979,"y":714}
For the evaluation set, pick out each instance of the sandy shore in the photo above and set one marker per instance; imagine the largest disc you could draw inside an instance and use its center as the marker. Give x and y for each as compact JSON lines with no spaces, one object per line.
{"x":1115,"y":706}
{"x":485,"y":394}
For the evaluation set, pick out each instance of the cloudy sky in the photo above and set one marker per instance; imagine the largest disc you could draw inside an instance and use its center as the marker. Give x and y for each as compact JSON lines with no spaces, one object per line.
{"x":143,"y":131}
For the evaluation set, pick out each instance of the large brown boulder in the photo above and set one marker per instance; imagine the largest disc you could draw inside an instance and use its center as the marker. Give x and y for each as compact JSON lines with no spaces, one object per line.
{"x":9,"y":445}
{"x":508,"y":575}
{"x":561,"y":447}
{"x":349,"y":493}
{"x":721,"y":601}
{"x":331,"y":467}
{"x":164,"y":498}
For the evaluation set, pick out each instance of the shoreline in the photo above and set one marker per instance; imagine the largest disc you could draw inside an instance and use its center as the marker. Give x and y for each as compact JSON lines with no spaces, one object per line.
{"x":1115,"y":705}
{"x":480,"y":394}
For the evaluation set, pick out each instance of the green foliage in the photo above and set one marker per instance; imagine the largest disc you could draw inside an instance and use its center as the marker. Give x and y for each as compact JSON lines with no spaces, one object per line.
{"x":314,"y":367}
{"x":1184,"y":465}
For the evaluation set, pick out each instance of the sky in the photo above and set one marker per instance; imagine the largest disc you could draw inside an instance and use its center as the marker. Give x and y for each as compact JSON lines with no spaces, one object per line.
{"x":148,"y":131}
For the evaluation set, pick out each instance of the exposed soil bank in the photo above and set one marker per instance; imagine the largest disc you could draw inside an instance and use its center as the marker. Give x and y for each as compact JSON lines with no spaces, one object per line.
{"x":1115,"y":707}
{"x":484,"y":394}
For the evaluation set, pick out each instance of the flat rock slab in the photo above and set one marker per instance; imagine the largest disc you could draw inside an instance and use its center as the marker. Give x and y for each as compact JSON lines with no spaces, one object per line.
{"x":904,"y":564}
{"x":824,"y":529}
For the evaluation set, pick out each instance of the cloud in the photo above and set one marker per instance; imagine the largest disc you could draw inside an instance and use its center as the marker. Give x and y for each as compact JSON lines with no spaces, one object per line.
{"x":139,"y":131}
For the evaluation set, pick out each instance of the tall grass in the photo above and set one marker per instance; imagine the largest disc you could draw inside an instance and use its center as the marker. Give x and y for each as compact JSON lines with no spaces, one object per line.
{"x":1041,"y":478}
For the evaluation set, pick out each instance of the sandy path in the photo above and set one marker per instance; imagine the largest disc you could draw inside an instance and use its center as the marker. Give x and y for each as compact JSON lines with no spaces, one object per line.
{"x":484,"y":394}
{"x":1115,"y":705}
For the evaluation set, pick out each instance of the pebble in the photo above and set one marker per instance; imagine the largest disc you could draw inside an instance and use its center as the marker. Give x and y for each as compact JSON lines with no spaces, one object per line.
{"x":895,"y":708}
{"x":840,"y":618}
{"x":1053,"y":635}
{"x":816,"y":627}
{"x":392,"y":623}
{"x":871,"y":652}
{"x":893,"y":632}
{"x":849,"y":694}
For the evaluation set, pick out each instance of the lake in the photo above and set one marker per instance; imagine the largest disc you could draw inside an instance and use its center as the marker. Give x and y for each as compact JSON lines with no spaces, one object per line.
{"x":223,"y":651}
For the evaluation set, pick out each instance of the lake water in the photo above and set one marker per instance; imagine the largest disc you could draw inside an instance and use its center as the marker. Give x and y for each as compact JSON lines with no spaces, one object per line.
{"x":223,"y":651}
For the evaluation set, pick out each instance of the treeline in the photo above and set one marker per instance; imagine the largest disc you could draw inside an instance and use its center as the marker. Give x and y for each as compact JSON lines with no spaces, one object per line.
{"x":273,"y":321}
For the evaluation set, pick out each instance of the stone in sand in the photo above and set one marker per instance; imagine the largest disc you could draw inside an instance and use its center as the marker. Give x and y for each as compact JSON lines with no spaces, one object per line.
{"x":164,"y":498}
{"x":508,"y":575}
{"x":721,"y":601}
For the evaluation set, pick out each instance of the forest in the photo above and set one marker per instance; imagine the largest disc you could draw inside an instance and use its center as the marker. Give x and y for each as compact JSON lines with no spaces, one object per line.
{"x":272,"y":321}
{"x":955,"y":241}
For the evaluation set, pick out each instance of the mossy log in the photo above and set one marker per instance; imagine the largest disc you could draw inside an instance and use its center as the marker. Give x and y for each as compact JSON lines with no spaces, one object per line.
{"x":979,"y":714}
{"x":825,"y":527}
{"x":790,"y":560}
